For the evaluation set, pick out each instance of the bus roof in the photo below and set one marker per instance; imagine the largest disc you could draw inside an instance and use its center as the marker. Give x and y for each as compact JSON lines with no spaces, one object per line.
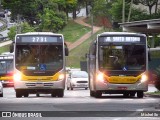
{"x":39,"y":33}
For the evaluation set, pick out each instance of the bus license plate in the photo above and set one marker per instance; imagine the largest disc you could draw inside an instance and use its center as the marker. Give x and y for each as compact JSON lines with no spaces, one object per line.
{"x":122,"y":88}
{"x":39,"y":84}
{"x":81,"y":85}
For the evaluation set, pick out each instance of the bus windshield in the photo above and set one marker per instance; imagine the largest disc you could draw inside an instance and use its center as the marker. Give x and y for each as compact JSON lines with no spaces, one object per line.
{"x":122,"y":57}
{"x":39,"y":57}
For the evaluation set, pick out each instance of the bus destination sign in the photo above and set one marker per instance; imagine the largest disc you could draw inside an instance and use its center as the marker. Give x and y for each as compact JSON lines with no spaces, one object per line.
{"x":39,"y":39}
{"x":121,"y":39}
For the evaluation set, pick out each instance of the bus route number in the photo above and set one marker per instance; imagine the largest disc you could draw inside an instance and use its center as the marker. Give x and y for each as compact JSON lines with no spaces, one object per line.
{"x":39,"y":39}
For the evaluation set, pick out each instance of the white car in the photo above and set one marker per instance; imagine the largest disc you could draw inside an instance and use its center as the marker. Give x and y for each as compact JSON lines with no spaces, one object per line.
{"x":77,"y":79}
{"x":1,"y":89}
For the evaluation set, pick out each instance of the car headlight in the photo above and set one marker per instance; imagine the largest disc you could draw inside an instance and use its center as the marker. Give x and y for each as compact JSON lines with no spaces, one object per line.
{"x":17,"y":76}
{"x":144,"y":78}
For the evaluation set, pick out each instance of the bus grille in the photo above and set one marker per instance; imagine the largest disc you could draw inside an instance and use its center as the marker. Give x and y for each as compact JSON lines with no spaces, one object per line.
{"x":37,"y":84}
{"x":82,"y":82}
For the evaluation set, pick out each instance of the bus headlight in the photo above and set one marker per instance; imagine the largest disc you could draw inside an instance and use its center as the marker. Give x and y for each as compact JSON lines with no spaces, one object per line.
{"x":100,"y":77}
{"x":61,"y":77}
{"x":144,"y":78}
{"x":17,"y":76}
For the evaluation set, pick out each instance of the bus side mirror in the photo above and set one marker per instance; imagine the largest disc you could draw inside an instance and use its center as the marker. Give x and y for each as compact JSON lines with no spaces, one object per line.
{"x":149,"y":56}
{"x":66,"y":49}
{"x":149,"y":53}
{"x":11,"y":48}
{"x":66,"y":52}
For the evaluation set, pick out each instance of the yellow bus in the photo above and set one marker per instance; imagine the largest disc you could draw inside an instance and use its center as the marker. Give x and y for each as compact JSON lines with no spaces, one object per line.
{"x":39,"y":64}
{"x":118,"y":64}
{"x":6,"y":69}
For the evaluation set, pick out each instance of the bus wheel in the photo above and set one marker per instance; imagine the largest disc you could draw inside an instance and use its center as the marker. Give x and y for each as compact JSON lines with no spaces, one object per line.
{"x":91,"y":93}
{"x":86,"y":88}
{"x":1,"y":95}
{"x":67,"y":88}
{"x":60,"y":93}
{"x":132,"y":94}
{"x":140,"y":94}
{"x":26,"y":94}
{"x":126,"y":95}
{"x":98,"y":94}
{"x":37,"y":94}
{"x":53,"y":94}
{"x":18,"y":94}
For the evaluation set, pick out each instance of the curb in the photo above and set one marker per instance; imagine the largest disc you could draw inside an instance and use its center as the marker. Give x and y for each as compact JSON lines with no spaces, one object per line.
{"x":150,"y":95}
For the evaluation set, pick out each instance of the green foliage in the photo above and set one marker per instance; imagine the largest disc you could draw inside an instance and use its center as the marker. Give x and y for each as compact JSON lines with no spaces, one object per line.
{"x":26,"y":8}
{"x":25,"y":27}
{"x":12,"y":33}
{"x":99,"y":8}
{"x":52,"y":21}
{"x":138,"y":14}
{"x":116,"y":10}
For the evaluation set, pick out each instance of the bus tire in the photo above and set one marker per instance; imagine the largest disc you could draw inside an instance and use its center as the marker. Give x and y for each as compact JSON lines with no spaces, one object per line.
{"x":140,"y":94}
{"x":98,"y":94}
{"x":18,"y":94}
{"x":132,"y":94}
{"x":1,"y":95}
{"x":37,"y":94}
{"x":60,"y":93}
{"x":91,"y":93}
{"x":67,"y":88}
{"x":53,"y":94}
{"x":26,"y":94}
{"x":126,"y":95}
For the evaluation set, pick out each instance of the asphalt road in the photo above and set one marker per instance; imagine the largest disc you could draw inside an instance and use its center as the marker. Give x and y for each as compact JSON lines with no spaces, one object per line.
{"x":77,"y":104}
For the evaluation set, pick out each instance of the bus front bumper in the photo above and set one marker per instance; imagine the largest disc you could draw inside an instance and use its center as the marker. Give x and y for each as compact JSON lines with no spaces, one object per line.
{"x":40,"y":85}
{"x":138,"y":86}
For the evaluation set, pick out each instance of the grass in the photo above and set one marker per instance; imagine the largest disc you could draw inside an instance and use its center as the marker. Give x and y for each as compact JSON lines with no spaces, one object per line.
{"x":73,"y":31}
{"x":154,"y":93}
{"x":78,"y":54}
{"x":4,"y":49}
{"x":155,"y":54}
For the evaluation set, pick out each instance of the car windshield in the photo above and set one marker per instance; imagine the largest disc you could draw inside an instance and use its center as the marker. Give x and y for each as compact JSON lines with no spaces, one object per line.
{"x":39,"y":57}
{"x":122,"y":57}
{"x":79,"y":74}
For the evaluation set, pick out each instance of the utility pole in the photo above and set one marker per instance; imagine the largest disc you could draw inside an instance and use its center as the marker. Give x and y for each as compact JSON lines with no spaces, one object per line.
{"x":123,"y":12}
{"x":18,"y":24}
{"x":130,"y":10}
{"x":91,"y":13}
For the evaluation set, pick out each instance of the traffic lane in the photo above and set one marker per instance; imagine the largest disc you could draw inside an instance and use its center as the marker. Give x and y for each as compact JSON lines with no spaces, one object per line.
{"x":9,"y":92}
{"x":76,"y":100}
